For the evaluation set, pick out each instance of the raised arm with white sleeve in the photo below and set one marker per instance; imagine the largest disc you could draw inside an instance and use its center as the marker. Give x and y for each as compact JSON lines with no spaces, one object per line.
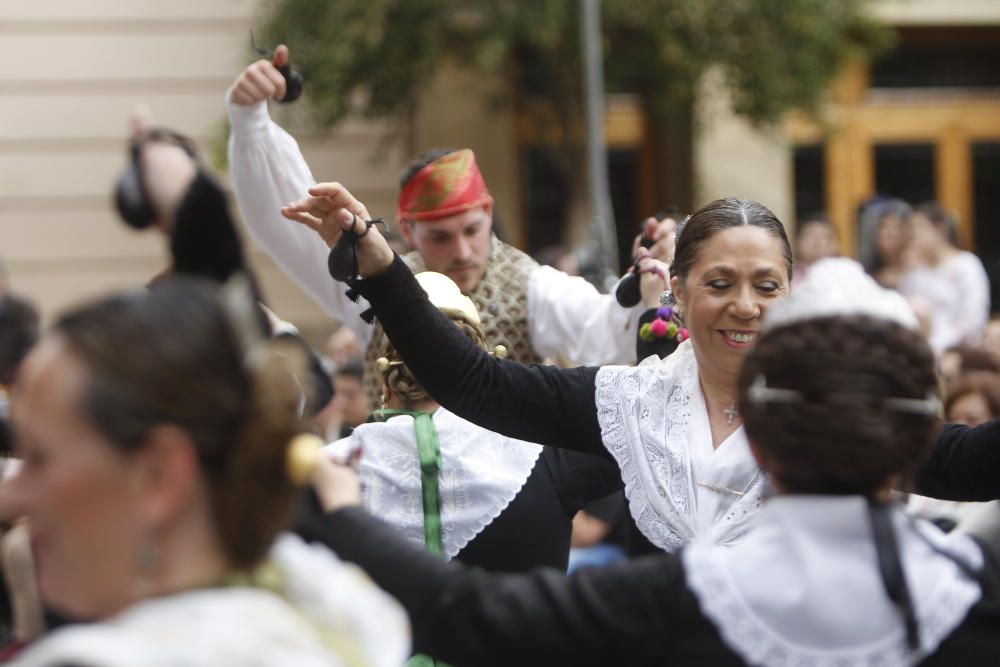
{"x":268,"y":171}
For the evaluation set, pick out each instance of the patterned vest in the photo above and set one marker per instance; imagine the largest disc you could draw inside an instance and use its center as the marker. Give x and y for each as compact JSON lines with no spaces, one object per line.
{"x":502,"y":301}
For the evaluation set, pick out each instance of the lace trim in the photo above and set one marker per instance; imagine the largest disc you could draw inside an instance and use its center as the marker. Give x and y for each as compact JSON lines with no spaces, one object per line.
{"x":644,"y":414}
{"x":481,"y":473}
{"x":758,"y":643}
{"x":647,"y":439}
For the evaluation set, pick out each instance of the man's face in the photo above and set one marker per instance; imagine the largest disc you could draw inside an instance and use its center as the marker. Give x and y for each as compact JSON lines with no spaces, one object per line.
{"x":457,"y":246}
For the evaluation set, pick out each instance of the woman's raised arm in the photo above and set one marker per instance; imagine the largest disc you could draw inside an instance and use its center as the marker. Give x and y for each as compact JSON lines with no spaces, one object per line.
{"x":542,"y":404}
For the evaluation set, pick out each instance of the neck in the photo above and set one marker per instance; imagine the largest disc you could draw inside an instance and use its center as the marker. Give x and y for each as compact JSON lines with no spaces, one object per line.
{"x":719,"y":390}
{"x":189,"y":557}
{"x":719,"y":387}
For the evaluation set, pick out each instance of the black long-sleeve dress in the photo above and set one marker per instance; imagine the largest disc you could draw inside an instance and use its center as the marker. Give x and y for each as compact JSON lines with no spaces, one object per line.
{"x":638,"y":612}
{"x":550,"y":406}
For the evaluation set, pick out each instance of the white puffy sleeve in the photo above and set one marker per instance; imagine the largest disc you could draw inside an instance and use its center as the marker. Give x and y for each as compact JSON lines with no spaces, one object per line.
{"x":568,"y":318}
{"x":267,"y":172}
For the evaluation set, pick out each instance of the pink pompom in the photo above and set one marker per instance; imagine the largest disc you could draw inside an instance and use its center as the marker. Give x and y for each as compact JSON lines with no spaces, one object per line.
{"x":658,"y":328}
{"x":683,"y":335}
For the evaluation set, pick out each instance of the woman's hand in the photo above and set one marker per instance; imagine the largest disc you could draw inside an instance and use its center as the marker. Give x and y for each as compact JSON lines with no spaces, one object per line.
{"x":329,"y":211}
{"x":337,"y":486}
{"x":654,"y":278}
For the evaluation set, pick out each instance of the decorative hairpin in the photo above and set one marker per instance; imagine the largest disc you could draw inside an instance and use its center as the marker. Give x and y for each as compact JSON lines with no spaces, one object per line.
{"x":760,"y":393}
{"x":663,"y":326}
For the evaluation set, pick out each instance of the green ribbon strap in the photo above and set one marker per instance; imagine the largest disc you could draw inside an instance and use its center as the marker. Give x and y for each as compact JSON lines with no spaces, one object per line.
{"x":429,"y":454}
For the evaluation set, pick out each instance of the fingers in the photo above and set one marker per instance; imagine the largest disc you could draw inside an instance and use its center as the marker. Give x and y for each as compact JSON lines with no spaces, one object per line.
{"x":340,"y":197}
{"x":650,"y":228}
{"x":255,"y":83}
{"x":267,"y":80}
{"x":307,"y":219}
{"x":281,"y":56}
{"x":140,"y":120}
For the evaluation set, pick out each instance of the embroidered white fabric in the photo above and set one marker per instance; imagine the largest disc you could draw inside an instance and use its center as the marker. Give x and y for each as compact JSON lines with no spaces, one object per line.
{"x":345,"y":621}
{"x":838,"y":286}
{"x":804,"y":590}
{"x":481,"y":473}
{"x":645,"y":414}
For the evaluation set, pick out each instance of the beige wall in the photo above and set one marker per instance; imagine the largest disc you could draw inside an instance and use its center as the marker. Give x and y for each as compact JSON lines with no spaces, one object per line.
{"x":74,"y":70}
{"x":456,"y":113}
{"x":734,"y":159}
{"x":938,"y":12}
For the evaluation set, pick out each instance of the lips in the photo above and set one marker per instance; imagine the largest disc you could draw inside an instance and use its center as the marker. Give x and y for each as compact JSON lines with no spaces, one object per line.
{"x":738,"y":338}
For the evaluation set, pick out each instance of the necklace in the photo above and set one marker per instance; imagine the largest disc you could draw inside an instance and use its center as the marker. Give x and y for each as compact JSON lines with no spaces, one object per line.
{"x":719,"y":488}
{"x":731,"y":413}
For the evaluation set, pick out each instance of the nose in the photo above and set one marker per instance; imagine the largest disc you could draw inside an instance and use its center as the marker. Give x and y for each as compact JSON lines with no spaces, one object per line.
{"x":744,"y":304}
{"x":13,"y":497}
{"x":463,"y":248}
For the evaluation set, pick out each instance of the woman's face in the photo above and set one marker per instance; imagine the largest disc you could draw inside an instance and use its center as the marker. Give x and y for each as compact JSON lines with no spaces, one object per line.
{"x":924,"y":236}
{"x":739,"y":273}
{"x":890,"y":237}
{"x":970,"y":409}
{"x":816,"y":241}
{"x":78,"y":492}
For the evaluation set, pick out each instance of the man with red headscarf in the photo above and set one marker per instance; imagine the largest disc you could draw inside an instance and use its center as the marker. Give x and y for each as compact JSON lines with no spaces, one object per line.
{"x":445,"y":211}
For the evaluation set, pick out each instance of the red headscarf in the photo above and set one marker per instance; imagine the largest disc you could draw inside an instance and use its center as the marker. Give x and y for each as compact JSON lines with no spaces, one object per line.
{"x":450,"y":184}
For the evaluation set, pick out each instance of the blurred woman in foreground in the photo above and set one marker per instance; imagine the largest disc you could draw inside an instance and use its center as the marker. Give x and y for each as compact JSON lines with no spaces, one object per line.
{"x":154,"y":483}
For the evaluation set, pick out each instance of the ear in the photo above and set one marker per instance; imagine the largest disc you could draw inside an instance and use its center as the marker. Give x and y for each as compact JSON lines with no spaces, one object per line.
{"x":406,"y":229}
{"x":488,"y":207}
{"x":168,"y":472}
{"x":678,"y":291}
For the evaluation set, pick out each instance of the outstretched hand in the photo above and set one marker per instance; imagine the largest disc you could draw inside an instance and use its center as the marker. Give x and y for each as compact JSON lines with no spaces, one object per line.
{"x":329,"y":210}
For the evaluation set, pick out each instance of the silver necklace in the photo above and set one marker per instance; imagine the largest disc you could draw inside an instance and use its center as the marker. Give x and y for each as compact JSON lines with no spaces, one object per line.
{"x":731,"y":413}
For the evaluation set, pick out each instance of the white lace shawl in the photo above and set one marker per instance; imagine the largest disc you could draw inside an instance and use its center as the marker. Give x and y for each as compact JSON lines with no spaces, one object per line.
{"x":326,"y":613}
{"x":644,"y":413}
{"x":803,"y":589}
{"x":481,"y":473}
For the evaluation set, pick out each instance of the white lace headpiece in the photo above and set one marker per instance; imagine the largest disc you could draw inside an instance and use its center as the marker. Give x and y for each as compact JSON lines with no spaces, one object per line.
{"x":839,"y":286}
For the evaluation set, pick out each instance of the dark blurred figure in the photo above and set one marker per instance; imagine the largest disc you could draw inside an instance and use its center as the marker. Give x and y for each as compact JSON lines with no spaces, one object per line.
{"x":19,"y":330}
{"x":882,"y":240}
{"x":961,"y":359}
{"x":349,"y":398}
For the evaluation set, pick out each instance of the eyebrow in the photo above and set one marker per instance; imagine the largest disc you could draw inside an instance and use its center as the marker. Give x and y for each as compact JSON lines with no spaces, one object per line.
{"x":728,"y":269}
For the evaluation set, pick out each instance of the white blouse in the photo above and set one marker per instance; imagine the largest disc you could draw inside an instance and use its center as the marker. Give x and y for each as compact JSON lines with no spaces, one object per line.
{"x":655,"y":424}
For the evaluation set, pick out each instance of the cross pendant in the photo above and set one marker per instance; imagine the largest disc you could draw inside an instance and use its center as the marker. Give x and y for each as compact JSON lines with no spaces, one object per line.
{"x":731,"y":414}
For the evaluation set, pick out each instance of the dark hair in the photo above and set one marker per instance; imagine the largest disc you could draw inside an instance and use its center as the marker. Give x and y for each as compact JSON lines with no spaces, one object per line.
{"x":421,"y":161}
{"x":720,"y":215}
{"x":816,"y":218}
{"x":984,"y":383}
{"x":974,"y":358}
{"x":401,"y":381}
{"x":940,"y":218}
{"x":352,"y":368}
{"x":18,"y":333}
{"x":170,"y":355}
{"x":871,"y":218}
{"x":842,"y":437}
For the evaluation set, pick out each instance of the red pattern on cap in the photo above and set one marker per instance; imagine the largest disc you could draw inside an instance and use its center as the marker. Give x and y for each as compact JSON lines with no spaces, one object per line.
{"x":449,"y":185}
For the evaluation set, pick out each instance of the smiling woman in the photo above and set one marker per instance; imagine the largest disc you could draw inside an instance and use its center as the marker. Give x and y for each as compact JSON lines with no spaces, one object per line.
{"x":672,"y":427}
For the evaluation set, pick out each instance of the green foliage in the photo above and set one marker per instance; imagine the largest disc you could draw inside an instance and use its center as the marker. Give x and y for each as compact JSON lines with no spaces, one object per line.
{"x":776,"y":54}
